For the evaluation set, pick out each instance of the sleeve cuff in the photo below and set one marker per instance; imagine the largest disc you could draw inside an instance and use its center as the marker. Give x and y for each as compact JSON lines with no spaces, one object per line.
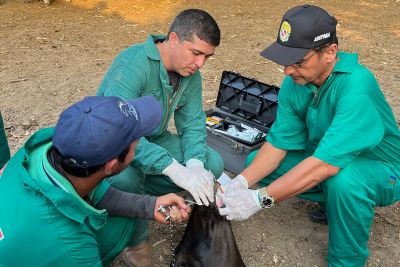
{"x":98,"y":193}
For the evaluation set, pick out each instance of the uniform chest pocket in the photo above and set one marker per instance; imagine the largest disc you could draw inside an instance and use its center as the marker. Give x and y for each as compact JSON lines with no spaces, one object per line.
{"x":180,"y":104}
{"x":318,"y":121}
{"x":156,"y":92}
{"x":182,"y":101}
{"x":311,"y":119}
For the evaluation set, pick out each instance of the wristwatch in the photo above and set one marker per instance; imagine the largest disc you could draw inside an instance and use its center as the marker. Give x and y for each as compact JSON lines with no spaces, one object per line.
{"x":266,"y":201}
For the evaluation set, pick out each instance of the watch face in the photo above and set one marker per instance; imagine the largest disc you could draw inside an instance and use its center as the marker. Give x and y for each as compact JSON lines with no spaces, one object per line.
{"x":266,"y":202}
{"x":264,"y":199}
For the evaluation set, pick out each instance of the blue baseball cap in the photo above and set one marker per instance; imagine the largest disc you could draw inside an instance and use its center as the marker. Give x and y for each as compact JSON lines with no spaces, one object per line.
{"x":99,"y":128}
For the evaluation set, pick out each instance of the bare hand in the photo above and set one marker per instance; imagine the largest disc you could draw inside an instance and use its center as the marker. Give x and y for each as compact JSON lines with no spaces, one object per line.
{"x":179,"y":211}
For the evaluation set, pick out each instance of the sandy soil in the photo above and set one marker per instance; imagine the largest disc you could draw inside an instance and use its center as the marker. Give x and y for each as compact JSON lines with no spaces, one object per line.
{"x":53,"y":56}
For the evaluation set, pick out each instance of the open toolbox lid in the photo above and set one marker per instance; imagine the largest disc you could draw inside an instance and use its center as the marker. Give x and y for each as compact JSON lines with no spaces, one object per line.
{"x":248,"y":99}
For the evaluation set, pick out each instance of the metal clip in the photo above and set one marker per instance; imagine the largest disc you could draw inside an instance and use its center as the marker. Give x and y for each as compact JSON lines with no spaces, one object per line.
{"x":190,"y":202}
{"x":165,"y":210}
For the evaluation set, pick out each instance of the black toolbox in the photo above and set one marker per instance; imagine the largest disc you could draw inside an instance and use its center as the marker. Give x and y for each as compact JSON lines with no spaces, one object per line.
{"x":240,"y":100}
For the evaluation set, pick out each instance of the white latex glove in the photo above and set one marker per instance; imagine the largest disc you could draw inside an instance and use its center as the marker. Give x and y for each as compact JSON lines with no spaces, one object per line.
{"x":240,"y":204}
{"x":200,"y":187}
{"x":197,"y":167}
{"x":239,"y":182}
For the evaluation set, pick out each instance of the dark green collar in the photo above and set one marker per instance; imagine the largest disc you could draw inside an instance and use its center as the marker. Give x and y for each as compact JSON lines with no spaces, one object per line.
{"x":346,"y":62}
{"x":151,"y":48}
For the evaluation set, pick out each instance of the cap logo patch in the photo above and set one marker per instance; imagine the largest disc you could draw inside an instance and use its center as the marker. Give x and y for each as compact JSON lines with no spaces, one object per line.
{"x":127,"y":109}
{"x":322,"y":36}
{"x":1,"y":234}
{"x":284,"y":32}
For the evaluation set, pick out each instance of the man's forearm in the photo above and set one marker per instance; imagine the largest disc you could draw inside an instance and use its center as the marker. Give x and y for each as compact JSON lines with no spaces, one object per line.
{"x":124,"y":204}
{"x":193,"y":144}
{"x":268,"y":158}
{"x":306,"y":175}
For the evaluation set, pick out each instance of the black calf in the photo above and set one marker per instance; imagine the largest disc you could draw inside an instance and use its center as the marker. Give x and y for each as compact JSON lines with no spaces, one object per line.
{"x":208,"y":241}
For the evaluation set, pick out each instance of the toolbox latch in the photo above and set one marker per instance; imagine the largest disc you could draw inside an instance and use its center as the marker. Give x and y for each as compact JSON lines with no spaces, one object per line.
{"x":237,"y":148}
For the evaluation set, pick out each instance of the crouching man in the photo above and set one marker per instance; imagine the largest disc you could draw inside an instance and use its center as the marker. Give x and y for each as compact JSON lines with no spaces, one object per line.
{"x":57,"y":209}
{"x":335,"y":139}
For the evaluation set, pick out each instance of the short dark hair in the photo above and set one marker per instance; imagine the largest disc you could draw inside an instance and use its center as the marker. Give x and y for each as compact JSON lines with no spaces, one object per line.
{"x":196,"y":22}
{"x":322,"y":47}
{"x":71,"y":167}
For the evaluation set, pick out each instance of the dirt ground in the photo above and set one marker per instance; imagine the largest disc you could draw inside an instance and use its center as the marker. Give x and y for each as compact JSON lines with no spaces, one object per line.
{"x":53,"y":56}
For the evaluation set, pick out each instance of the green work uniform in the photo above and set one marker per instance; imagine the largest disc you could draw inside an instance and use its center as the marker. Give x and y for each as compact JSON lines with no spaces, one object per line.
{"x":4,"y":149}
{"x":44,"y":222}
{"x":346,"y":123}
{"x":138,"y":71}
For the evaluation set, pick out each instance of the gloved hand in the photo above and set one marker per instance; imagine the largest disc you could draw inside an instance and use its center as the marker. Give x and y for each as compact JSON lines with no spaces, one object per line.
{"x":199,"y":186}
{"x":240,"y":204}
{"x":197,"y":167}
{"x":239,"y":182}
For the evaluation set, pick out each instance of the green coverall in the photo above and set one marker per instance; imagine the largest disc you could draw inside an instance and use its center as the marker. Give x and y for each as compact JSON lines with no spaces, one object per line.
{"x":138,"y":71}
{"x":4,"y":149}
{"x":346,"y":123}
{"x":44,"y":222}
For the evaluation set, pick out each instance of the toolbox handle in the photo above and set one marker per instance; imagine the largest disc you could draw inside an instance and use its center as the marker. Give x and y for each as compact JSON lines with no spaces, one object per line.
{"x":252,"y":108}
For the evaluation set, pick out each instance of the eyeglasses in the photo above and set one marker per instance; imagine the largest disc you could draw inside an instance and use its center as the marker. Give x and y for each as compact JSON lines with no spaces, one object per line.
{"x":302,"y":61}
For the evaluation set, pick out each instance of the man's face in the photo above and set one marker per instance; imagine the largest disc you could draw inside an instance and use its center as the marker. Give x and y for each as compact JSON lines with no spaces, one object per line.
{"x":128,"y":159}
{"x":314,"y":67}
{"x":189,"y":56}
{"x":131,"y":154}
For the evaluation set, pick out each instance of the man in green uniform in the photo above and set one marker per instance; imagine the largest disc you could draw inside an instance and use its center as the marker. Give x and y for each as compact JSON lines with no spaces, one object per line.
{"x":335,"y":139}
{"x":167,"y":67}
{"x":4,"y":150}
{"x":56,"y":209}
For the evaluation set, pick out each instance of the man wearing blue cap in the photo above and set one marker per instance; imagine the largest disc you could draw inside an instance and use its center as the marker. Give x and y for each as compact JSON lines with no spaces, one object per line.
{"x":335,"y":139}
{"x":57,"y":209}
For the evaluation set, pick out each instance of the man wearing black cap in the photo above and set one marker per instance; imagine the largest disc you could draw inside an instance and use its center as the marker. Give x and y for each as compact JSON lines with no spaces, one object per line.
{"x":56,"y":209}
{"x":335,"y":139}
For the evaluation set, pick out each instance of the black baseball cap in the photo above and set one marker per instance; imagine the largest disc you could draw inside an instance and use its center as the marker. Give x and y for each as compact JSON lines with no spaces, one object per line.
{"x":302,"y":28}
